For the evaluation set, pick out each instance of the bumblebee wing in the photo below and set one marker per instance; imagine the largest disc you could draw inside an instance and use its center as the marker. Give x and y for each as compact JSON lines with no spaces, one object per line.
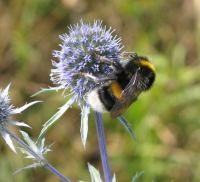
{"x":121,"y":106}
{"x":128,"y":96}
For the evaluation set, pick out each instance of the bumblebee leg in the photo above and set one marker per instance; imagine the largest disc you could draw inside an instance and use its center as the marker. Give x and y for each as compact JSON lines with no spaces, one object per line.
{"x":108,"y":61}
{"x":94,"y":78}
{"x":105,"y":79}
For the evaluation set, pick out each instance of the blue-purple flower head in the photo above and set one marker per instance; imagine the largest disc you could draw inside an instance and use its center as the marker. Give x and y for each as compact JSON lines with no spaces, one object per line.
{"x":77,"y":55}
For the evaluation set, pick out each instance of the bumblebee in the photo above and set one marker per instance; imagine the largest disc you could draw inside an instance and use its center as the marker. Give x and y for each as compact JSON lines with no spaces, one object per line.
{"x":131,"y":76}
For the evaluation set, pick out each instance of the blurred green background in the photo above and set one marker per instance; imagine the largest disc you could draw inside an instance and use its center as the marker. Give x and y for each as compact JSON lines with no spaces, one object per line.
{"x":166,"y":119}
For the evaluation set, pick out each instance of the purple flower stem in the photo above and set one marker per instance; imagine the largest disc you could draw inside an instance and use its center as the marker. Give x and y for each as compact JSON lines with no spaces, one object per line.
{"x":102,"y":147}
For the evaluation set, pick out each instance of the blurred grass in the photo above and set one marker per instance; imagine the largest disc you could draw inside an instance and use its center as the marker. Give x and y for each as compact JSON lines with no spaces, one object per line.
{"x":166,"y":119}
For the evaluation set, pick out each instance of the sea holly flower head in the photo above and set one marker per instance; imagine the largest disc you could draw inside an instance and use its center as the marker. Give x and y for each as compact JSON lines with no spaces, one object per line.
{"x":5,"y":106}
{"x":77,"y":55}
{"x":6,"y":111}
{"x":77,"y":64}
